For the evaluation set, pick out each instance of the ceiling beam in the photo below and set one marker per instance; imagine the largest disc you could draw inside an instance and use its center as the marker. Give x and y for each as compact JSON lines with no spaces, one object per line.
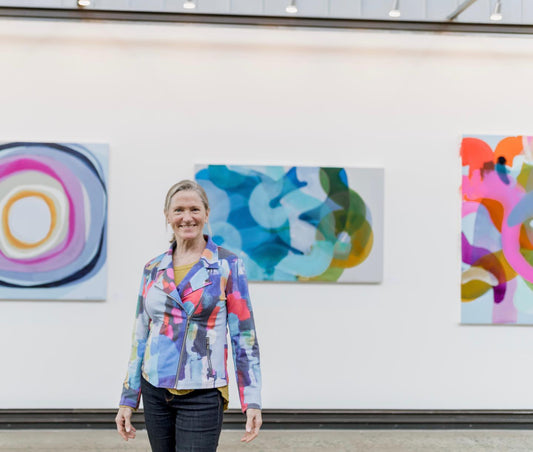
{"x":89,"y":15}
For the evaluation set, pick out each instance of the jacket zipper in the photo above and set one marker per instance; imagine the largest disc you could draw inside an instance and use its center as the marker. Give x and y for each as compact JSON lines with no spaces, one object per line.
{"x":183,"y":345}
{"x":209,"y":365}
{"x":184,"y":337}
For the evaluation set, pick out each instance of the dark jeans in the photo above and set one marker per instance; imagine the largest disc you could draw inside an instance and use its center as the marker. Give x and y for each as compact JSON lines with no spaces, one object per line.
{"x":186,"y":423}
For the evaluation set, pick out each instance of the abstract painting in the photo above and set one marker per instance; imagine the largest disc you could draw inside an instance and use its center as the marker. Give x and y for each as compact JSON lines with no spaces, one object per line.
{"x":497,"y":230}
{"x":53,"y":207}
{"x":298,"y":223}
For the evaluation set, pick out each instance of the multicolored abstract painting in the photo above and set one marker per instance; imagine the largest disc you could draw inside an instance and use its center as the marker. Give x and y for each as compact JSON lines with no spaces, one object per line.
{"x":53,"y":207}
{"x":298,"y":223}
{"x":497,"y":229}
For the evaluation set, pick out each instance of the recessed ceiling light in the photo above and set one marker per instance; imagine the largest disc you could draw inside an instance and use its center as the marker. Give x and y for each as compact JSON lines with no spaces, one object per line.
{"x":497,"y":13}
{"x":395,"y":10}
{"x":291,"y":7}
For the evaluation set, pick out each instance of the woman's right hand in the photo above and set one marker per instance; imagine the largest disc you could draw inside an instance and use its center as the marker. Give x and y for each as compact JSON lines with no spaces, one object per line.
{"x":123,"y":421}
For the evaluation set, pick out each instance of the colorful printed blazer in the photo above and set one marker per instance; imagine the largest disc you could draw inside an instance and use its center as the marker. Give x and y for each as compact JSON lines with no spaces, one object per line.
{"x":180,"y":339}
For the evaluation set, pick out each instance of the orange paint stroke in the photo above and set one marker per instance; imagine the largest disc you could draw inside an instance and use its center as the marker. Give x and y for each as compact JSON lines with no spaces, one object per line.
{"x":5,"y":216}
{"x":361,"y":241}
{"x":509,"y":148}
{"x":475,"y":153}
{"x":496,"y":264}
{"x":525,"y":241}
{"x":495,"y":210}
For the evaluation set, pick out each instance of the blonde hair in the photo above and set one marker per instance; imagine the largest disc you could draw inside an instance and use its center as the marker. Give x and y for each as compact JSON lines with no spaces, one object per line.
{"x":186,"y":185}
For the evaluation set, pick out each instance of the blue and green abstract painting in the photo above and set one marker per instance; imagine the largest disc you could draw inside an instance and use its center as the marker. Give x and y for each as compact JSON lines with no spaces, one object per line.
{"x":298,"y":223}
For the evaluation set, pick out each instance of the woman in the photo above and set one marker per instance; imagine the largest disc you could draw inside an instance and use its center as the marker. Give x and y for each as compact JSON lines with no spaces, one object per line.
{"x":189,"y":296}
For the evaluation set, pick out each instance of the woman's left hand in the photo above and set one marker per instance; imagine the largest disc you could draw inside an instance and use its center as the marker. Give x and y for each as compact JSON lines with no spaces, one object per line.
{"x":253,"y":424}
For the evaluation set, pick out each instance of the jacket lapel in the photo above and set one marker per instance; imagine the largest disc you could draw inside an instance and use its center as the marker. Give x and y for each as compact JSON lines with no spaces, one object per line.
{"x":197,"y":278}
{"x":165,"y":277}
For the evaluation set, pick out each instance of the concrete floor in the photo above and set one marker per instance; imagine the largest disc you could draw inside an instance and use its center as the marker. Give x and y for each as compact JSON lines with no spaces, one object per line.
{"x":284,"y":441}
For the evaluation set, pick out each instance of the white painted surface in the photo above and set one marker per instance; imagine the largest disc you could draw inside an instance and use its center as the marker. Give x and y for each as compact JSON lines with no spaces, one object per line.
{"x":167,"y":97}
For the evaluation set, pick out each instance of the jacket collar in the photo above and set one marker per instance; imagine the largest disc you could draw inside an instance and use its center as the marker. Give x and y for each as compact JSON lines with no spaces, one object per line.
{"x":197,"y":278}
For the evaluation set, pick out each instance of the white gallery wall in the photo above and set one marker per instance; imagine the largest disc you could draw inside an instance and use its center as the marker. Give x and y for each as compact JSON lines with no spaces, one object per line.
{"x":165,"y":97}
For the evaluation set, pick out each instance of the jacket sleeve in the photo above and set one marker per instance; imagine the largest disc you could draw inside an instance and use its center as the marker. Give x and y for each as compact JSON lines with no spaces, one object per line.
{"x":243,"y":337}
{"x":131,"y":390}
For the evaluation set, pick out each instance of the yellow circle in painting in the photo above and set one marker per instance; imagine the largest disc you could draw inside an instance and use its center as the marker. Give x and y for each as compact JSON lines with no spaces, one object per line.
{"x":5,"y":216}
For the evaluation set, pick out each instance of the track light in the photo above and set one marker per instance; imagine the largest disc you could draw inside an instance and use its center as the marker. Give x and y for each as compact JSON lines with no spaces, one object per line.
{"x":291,"y":7}
{"x":189,"y":4}
{"x":84,"y":3}
{"x":497,"y":12}
{"x":395,"y":10}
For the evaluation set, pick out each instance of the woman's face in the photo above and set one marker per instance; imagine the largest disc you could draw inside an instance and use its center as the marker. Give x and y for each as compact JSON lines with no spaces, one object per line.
{"x":187,"y":215}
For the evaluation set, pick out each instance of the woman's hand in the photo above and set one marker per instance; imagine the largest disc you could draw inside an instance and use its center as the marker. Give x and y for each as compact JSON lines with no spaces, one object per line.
{"x":123,"y":421}
{"x":253,"y":424}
